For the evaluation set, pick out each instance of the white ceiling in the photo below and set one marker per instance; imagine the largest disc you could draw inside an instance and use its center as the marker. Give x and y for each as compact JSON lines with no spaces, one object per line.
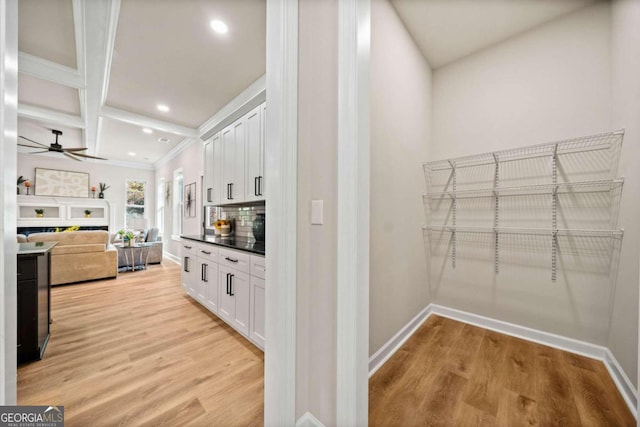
{"x":447,"y":30}
{"x":97,"y":70}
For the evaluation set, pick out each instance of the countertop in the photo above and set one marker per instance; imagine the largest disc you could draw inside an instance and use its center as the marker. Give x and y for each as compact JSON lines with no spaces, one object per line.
{"x":247,"y":245}
{"x":35,"y":248}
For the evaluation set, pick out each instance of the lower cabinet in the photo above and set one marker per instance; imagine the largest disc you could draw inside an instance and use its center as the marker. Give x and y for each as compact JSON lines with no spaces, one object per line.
{"x":228,"y":283}
{"x":234,"y":302}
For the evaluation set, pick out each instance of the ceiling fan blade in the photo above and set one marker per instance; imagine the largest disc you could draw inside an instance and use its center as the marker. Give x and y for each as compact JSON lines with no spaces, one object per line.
{"x":39,"y":152}
{"x":72,"y":157}
{"x":30,"y":146}
{"x":31,"y":140}
{"x":89,"y":157}
{"x":75,"y":149}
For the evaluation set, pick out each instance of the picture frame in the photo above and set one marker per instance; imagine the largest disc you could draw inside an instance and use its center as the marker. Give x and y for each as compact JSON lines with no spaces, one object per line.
{"x":190,"y":200}
{"x":61,"y":183}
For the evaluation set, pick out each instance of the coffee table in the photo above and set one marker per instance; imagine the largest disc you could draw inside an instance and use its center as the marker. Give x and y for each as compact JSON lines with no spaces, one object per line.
{"x":136,"y":256}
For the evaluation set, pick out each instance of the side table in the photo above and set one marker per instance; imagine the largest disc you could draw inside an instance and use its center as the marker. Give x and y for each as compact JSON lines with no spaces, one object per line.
{"x":136,"y":256}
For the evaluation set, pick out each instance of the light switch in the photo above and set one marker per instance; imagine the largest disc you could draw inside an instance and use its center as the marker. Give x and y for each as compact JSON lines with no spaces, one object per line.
{"x":317,"y":215}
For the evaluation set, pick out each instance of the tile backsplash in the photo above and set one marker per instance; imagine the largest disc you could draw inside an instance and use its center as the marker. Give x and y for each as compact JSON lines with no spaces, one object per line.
{"x":243,"y":217}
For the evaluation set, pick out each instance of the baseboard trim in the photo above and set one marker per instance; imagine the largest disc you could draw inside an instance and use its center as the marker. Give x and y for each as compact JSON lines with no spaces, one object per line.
{"x":308,"y":420}
{"x":621,"y":380}
{"x":171,"y":257}
{"x":390,"y":347}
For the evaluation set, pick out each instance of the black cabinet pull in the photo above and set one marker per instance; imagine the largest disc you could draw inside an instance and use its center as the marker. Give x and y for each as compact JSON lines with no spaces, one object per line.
{"x":228,"y":283}
{"x":202,"y":272}
{"x":187,"y":247}
{"x":209,"y":195}
{"x":231,"y":284}
{"x":256,"y":192}
{"x":186,"y":264}
{"x":231,"y":191}
{"x":260,"y":186}
{"x":231,"y":259}
{"x":228,"y":197}
{"x":206,"y":252}
{"x":205,"y":275}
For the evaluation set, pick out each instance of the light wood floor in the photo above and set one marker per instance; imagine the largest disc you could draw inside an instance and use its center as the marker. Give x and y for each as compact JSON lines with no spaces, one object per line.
{"x":452,"y":374}
{"x":137,"y":351}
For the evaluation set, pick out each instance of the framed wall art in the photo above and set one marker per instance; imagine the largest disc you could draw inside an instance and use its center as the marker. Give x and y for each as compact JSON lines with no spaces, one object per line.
{"x":52,"y":182}
{"x":190,"y":200}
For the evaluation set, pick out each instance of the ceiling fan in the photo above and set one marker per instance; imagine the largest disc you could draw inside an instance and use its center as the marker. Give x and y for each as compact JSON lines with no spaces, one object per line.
{"x":57,"y":148}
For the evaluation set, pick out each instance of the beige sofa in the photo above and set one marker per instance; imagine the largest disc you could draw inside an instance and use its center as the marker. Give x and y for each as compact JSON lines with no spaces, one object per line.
{"x":80,"y":256}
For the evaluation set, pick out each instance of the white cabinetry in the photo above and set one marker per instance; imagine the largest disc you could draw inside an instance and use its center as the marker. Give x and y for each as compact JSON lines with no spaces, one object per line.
{"x":229,"y":283}
{"x":233,"y":162}
{"x":254,"y":153}
{"x":188,"y":275}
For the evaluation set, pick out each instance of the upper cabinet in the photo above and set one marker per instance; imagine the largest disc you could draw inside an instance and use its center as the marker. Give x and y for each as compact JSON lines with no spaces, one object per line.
{"x":234,"y":161}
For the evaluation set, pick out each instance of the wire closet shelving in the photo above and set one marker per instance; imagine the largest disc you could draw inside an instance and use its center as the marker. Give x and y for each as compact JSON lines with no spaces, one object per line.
{"x":554,"y":152}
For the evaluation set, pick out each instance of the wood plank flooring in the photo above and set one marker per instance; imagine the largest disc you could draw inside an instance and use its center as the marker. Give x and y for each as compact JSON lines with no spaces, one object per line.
{"x":453,"y":374}
{"x":136,"y":351}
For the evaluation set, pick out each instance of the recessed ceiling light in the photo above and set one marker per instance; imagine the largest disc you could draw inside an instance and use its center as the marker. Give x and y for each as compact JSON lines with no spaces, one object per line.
{"x":163,"y":140}
{"x":131,"y":153}
{"x":218,"y":26}
{"x":163,"y":108}
{"x":147,"y":130}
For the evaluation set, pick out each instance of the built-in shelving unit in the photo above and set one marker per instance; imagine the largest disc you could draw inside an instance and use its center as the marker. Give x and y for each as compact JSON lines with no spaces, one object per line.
{"x":541,"y":177}
{"x":62,"y":211}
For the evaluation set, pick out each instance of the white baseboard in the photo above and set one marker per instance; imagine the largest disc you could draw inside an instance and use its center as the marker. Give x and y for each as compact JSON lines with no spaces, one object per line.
{"x":390,"y":347}
{"x":172,"y":257}
{"x":308,"y":420}
{"x":626,"y":388}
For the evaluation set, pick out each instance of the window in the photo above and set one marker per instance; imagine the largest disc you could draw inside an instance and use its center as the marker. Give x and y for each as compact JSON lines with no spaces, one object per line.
{"x":178,"y":210}
{"x":160,"y":207}
{"x":134,"y":208}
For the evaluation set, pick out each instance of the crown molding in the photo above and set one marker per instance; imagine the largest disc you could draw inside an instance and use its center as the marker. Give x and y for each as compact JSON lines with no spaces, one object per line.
{"x":144,"y":121}
{"x":48,"y":70}
{"x":182,"y":145}
{"x":49,"y":116}
{"x":248,"y":99}
{"x":132,"y":165}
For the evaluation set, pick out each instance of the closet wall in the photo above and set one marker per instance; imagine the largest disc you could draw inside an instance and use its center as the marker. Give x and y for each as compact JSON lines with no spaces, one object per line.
{"x":400,"y":126}
{"x":551,"y":83}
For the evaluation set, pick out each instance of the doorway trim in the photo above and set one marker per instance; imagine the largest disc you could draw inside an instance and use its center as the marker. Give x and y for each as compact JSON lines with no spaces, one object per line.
{"x":281,"y":160}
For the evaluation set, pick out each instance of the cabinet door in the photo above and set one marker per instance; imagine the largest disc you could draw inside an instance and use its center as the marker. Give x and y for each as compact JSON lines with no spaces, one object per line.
{"x":210,"y":279}
{"x":253,"y":154}
{"x":234,"y":302}
{"x":216,"y":175}
{"x":256,"y":309}
{"x":233,"y":163}
{"x":263,"y":134}
{"x":208,"y":172}
{"x":201,"y":281}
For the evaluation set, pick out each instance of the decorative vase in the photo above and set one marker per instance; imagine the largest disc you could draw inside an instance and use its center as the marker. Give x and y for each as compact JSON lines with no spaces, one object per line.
{"x":87,"y":215}
{"x":39,"y":215}
{"x":258,"y":228}
{"x":101,"y":195}
{"x":225,"y":230}
{"x":217,"y":232}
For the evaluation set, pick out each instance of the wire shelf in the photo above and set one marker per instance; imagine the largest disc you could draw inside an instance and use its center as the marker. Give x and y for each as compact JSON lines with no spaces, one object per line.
{"x":602,"y":141}
{"x":523,"y":190}
{"x":536,"y":231}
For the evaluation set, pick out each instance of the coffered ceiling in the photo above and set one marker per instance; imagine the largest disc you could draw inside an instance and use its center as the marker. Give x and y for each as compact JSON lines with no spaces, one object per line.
{"x":98,"y":69}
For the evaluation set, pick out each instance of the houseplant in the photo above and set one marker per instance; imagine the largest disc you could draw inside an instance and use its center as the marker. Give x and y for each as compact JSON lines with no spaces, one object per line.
{"x":103,"y":188}
{"x":87,"y":213}
{"x":126,"y":236}
{"x":39,"y":213}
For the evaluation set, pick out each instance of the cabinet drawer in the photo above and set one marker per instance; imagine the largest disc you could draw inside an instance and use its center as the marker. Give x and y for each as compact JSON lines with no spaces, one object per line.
{"x":258,"y":266}
{"x":189,"y":248}
{"x":208,"y":252}
{"x":234,"y":259}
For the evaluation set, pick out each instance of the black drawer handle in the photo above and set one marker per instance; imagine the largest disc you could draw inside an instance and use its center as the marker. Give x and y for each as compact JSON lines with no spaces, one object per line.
{"x":187,"y":247}
{"x":206,"y":252}
{"x":231,"y":259}
{"x":231,"y":276}
{"x":186,"y":264}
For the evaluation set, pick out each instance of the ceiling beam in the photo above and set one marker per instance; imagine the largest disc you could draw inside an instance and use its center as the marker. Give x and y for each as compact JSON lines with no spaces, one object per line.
{"x":144,"y":121}
{"x":48,"y":70}
{"x":49,"y":116}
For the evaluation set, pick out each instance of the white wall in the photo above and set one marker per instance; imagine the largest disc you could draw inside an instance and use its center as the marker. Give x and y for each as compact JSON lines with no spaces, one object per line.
{"x":317,"y":179}
{"x":551,"y":83}
{"x":191,"y":161}
{"x":400,"y":134}
{"x":114,"y":176}
{"x":625,"y":77}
